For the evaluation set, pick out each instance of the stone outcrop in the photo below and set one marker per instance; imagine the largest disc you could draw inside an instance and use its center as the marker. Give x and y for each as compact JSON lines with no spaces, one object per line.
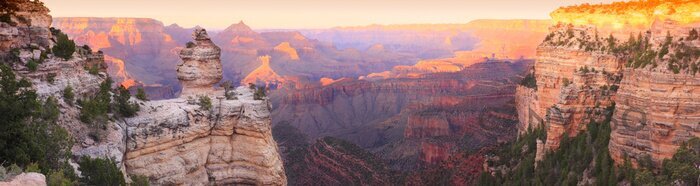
{"x":26,"y":179}
{"x":201,"y":66}
{"x":176,"y":142}
{"x":185,"y":142}
{"x":29,"y":26}
{"x":263,"y":75}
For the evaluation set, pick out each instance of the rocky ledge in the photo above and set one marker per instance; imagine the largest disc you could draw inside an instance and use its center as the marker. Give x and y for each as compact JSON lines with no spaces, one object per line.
{"x":177,"y":141}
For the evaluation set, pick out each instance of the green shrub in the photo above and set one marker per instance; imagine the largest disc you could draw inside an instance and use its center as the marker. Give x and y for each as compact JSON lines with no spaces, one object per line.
{"x":566,"y":82}
{"x":93,"y":69}
{"x":259,"y":93}
{"x":59,"y":178}
{"x":51,"y":78}
{"x":94,"y":110}
{"x":693,"y":35}
{"x":68,"y":95}
{"x":141,"y":94}
{"x":683,"y":165}
{"x":87,"y":49}
{"x":100,"y":171}
{"x":33,"y":167}
{"x":32,"y":65}
{"x":18,"y":103}
{"x":190,"y":44}
{"x":228,"y":90}
{"x":64,"y":47}
{"x":14,"y":170}
{"x":204,"y":102}
{"x":125,"y":107}
{"x":529,"y":81}
{"x":7,"y":18}
{"x":139,"y":180}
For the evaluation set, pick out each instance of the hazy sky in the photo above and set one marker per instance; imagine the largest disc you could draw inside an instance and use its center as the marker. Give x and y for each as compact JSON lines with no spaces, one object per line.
{"x":261,"y":14}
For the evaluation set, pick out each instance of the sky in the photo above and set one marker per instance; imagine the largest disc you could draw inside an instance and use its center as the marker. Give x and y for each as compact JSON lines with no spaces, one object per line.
{"x":300,"y":14}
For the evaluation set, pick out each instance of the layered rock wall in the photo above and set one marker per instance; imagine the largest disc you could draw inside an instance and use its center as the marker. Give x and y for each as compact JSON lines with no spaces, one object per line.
{"x":655,"y":113}
{"x":175,"y":142}
{"x":566,"y":95}
{"x":655,"y":97}
{"x":185,"y":141}
{"x":527,"y":107}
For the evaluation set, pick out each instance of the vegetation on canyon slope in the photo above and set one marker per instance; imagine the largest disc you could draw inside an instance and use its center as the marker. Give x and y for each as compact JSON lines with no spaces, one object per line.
{"x":32,"y":139}
{"x":637,"y":51}
{"x":585,"y":159}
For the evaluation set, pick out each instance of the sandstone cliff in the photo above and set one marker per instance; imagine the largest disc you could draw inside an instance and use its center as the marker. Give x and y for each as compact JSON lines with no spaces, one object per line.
{"x":175,"y":142}
{"x":650,"y":79}
{"x":185,"y":141}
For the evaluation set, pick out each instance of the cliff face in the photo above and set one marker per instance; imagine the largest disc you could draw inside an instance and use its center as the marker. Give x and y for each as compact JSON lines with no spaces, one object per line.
{"x":567,"y":97}
{"x":30,"y":25}
{"x":657,"y":108}
{"x":655,"y":113}
{"x":654,"y":96}
{"x":175,"y":142}
{"x":178,"y":141}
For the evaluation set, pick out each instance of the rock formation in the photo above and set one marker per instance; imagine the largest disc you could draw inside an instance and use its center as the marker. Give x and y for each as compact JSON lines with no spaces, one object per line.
{"x":201,"y":65}
{"x":175,"y":142}
{"x":26,"y":179}
{"x":30,"y":26}
{"x":577,"y":82}
{"x":182,"y":141}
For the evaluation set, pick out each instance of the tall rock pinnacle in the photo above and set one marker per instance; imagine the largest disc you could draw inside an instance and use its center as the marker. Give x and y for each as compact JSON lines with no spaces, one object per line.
{"x":201,"y":64}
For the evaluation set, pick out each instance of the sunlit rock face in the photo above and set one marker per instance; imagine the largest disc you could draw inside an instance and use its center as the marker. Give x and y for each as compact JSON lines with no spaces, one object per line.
{"x":182,"y":141}
{"x":175,"y":142}
{"x":263,"y":75}
{"x":495,"y":40}
{"x":655,"y":107}
{"x":32,"y":28}
{"x":201,"y":66}
{"x":623,"y":17}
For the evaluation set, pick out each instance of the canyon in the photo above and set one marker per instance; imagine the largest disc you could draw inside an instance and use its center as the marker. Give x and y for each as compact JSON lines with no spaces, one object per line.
{"x":409,"y":123}
{"x":423,"y":104}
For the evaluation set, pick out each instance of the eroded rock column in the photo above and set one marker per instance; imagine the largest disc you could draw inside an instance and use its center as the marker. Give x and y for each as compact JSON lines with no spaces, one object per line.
{"x":201,"y":65}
